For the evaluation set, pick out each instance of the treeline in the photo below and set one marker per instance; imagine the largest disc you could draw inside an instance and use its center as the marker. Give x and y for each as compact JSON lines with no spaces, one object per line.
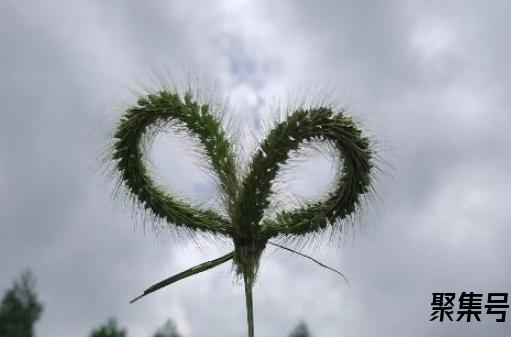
{"x":20,"y":310}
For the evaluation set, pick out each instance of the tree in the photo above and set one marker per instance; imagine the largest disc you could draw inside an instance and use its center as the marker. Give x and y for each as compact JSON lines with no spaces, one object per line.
{"x":20,"y":308}
{"x":300,"y":330}
{"x":110,"y":329}
{"x":169,"y":329}
{"x":244,"y":200}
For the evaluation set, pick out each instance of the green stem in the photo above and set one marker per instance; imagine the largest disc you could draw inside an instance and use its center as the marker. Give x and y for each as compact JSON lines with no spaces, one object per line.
{"x":250,"y":306}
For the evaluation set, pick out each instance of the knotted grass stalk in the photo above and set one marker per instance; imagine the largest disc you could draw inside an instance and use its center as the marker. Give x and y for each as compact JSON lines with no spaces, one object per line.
{"x":245,"y":198}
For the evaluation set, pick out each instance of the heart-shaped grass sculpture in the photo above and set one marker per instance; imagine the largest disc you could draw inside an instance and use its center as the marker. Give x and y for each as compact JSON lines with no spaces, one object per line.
{"x":245,"y":199}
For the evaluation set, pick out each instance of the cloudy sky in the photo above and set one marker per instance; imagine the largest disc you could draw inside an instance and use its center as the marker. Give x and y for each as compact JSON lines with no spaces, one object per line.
{"x":429,"y":80}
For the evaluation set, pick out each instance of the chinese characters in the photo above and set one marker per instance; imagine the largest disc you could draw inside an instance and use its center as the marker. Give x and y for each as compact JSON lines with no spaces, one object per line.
{"x":468,"y":306}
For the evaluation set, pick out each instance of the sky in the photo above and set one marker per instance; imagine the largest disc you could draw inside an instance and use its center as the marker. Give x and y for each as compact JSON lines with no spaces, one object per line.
{"x":428,"y":81}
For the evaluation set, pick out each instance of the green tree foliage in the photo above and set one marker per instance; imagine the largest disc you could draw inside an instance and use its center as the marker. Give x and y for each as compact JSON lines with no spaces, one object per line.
{"x":300,"y":330}
{"x":110,"y":329}
{"x":167,"y":330}
{"x":20,"y":308}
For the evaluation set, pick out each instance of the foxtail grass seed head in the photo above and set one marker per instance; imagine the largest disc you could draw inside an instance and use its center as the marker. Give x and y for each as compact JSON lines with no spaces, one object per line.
{"x":245,"y":195}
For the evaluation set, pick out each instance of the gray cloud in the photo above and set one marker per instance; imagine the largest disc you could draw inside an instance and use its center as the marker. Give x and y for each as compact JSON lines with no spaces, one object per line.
{"x":430,"y":81}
